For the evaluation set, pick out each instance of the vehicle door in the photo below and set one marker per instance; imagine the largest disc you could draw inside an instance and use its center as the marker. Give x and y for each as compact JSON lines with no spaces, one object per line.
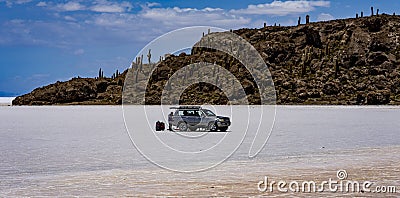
{"x":193,"y":117}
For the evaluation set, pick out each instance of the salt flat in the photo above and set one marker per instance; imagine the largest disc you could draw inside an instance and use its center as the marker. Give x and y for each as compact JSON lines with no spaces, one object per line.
{"x":86,"y":151}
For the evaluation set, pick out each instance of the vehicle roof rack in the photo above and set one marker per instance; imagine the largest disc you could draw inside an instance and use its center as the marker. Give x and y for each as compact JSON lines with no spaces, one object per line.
{"x":186,"y":107}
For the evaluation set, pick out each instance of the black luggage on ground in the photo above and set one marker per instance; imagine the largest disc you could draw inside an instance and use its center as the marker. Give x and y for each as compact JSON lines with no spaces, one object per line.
{"x":160,"y":126}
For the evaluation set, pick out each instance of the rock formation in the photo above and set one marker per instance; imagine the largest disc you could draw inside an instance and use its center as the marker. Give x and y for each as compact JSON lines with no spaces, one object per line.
{"x":346,"y":62}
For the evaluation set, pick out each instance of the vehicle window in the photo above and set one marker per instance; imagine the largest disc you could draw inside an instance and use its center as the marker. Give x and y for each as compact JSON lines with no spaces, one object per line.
{"x":208,"y":112}
{"x":202,"y":114}
{"x":188,"y":113}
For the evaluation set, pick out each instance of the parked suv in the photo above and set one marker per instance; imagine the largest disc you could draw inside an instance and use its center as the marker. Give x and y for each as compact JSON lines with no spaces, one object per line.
{"x":191,"y":118}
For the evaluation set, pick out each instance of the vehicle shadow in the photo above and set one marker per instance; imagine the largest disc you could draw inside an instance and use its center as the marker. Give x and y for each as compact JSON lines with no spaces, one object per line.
{"x":198,"y":131}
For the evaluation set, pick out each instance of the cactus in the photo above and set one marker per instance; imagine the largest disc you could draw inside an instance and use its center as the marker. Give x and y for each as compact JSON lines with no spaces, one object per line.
{"x":238,"y":52}
{"x":377,"y":12}
{"x":232,"y":60}
{"x":191,"y":70}
{"x":307,"y":19}
{"x":136,"y":77}
{"x":306,"y":50}
{"x":327,"y":49}
{"x":309,"y":57}
{"x":133,"y":65}
{"x":100,"y":72}
{"x":303,"y":69}
{"x":214,"y":70}
{"x":141,"y":63}
{"x":362,"y":14}
{"x":336,"y":65}
{"x":299,"y":21}
{"x":356,"y":15}
{"x":149,"y":56}
{"x":168,"y":87}
{"x":372,"y":11}
{"x":265,"y":24}
{"x":138,"y":64}
{"x":209,"y":31}
{"x":275,"y":25}
{"x":319,"y":54}
{"x":303,"y":64}
{"x":184,"y":75}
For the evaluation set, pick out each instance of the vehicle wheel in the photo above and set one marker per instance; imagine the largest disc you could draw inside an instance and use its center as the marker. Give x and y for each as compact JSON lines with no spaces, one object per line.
{"x":212,"y":126}
{"x":182,"y":126}
{"x":193,"y":128}
{"x":223,"y":129}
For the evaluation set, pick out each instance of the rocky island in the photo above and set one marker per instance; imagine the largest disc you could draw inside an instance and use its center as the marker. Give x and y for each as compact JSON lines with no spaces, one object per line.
{"x":352,"y":61}
{"x":77,"y":91}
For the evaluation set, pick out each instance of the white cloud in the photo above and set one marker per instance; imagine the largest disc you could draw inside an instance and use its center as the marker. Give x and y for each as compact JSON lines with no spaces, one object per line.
{"x":22,"y":1}
{"x":70,"y":6}
{"x":103,"y":6}
{"x":282,"y":8}
{"x":41,"y":4}
{"x":212,"y":9}
{"x":10,"y":3}
{"x":69,"y":18}
{"x":325,"y":17}
{"x":152,"y":4}
{"x":79,"y":51}
{"x":58,"y":34}
{"x":191,"y":16}
{"x":113,"y":20}
{"x":72,"y":29}
{"x":38,"y":76}
{"x":106,"y":22}
{"x":107,"y":6}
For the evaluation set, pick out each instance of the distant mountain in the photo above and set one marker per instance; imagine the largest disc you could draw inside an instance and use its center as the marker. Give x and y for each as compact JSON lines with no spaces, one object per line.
{"x":7,"y":94}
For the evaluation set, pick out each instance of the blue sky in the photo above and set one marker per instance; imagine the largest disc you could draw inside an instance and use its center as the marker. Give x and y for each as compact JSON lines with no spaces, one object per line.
{"x":45,"y":41}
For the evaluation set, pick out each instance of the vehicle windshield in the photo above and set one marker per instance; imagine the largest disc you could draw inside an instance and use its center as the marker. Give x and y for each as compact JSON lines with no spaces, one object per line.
{"x":208,"y":112}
